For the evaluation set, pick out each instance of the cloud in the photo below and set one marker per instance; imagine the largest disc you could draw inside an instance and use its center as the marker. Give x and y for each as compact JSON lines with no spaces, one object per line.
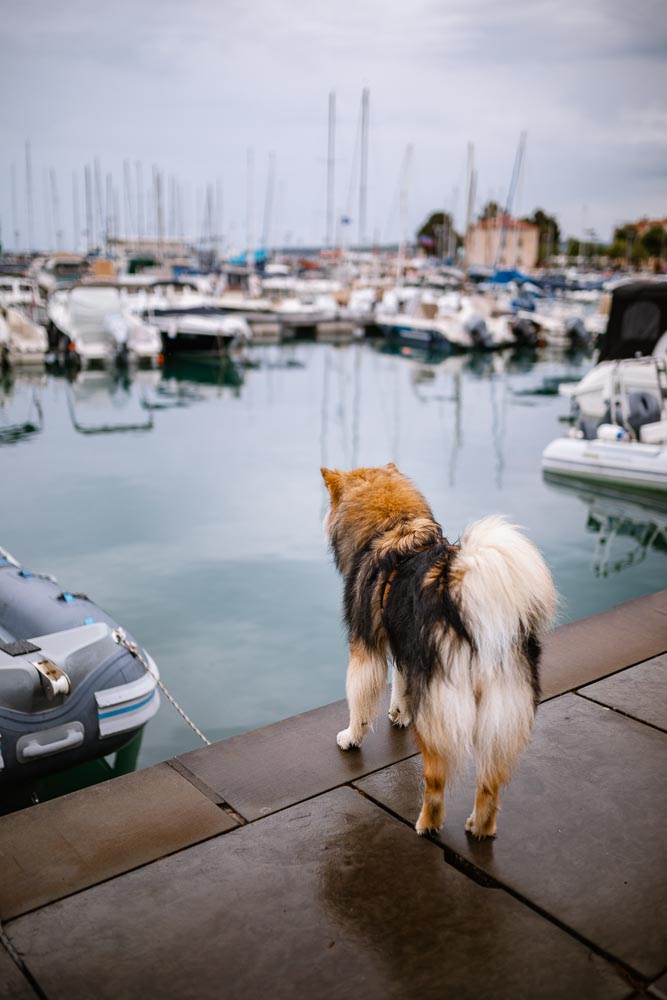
{"x":192,"y":88}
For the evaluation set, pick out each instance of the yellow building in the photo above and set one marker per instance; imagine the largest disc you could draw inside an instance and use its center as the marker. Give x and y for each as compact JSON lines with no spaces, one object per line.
{"x":520,"y":243}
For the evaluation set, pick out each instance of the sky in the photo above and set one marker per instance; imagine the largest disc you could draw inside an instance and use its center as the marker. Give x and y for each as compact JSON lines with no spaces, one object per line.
{"x":207,"y":92}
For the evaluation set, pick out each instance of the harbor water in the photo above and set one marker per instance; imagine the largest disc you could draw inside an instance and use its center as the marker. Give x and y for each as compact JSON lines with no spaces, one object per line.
{"x":188,"y":503}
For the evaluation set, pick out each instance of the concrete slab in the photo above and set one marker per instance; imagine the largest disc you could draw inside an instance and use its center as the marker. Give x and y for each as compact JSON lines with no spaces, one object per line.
{"x":640,"y":692}
{"x":582,"y":832}
{"x":326,"y":899}
{"x":59,"y":847}
{"x":13,"y":984}
{"x":587,"y":650}
{"x":271,"y":768}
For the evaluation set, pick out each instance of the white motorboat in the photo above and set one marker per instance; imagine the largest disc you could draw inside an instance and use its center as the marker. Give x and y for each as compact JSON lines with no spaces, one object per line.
{"x":448,"y":320}
{"x":627,"y":442}
{"x":92,"y":325}
{"x":22,"y":342}
{"x":59,"y":271}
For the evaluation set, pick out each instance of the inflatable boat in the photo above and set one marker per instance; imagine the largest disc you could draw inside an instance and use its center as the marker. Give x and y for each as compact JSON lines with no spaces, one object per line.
{"x":70,"y":688}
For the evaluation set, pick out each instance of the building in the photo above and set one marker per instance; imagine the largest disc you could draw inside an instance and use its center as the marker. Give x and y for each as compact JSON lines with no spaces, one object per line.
{"x":520,"y":243}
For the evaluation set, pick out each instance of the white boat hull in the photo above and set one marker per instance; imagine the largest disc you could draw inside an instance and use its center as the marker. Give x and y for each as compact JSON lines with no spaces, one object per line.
{"x":630,"y":463}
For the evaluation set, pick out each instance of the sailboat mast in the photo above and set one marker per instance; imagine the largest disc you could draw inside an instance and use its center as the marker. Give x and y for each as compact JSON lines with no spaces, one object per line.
{"x":15,"y":223}
{"x":363,"y":173}
{"x":28,"y":188}
{"x":331,"y":164}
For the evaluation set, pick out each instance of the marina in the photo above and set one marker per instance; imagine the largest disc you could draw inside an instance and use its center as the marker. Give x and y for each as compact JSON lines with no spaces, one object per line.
{"x":333,"y":517}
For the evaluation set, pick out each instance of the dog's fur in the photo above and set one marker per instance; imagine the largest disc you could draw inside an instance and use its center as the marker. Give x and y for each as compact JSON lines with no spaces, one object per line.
{"x":462,"y":623}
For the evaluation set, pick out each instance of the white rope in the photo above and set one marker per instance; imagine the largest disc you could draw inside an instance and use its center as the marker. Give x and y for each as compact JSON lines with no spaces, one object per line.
{"x":121,"y":638}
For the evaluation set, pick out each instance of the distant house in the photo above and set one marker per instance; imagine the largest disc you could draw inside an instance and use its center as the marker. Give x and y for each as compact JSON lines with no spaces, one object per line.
{"x":520,"y":243}
{"x":644,"y":225}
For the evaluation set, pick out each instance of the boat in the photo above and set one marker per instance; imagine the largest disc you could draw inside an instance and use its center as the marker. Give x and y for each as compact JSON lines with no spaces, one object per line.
{"x":22,"y":342}
{"x":90,"y":324}
{"x":71,"y":689}
{"x":623,"y":437}
{"x":58,"y":271}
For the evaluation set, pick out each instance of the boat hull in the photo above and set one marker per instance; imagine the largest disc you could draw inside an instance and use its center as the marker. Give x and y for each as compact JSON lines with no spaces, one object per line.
{"x":628,"y":463}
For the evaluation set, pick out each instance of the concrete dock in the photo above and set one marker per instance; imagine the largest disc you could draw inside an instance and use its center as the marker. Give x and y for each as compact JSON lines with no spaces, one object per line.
{"x":273,"y":864}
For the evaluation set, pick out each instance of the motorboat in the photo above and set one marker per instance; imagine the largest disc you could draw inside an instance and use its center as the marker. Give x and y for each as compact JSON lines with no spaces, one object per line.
{"x":59,"y":271}
{"x":90,"y":324}
{"x":619,"y":434}
{"x":71,"y":687}
{"x":449,"y":320}
{"x":22,"y":342}
{"x":637,"y":327}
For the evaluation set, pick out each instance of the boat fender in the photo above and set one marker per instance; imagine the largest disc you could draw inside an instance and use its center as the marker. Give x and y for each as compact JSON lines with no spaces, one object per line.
{"x":611,"y":432}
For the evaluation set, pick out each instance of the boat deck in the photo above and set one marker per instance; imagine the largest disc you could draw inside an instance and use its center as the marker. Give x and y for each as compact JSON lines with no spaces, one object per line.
{"x":273,"y":864}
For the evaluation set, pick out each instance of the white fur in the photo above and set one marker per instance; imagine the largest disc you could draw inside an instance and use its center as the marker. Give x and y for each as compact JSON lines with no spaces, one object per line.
{"x":399,"y":707}
{"x":366,"y":680}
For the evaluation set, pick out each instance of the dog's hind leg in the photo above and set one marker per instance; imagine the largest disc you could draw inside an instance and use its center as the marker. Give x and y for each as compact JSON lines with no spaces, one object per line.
{"x":435,"y":777}
{"x":365,"y":682}
{"x":399,"y":706}
{"x":503,"y":727}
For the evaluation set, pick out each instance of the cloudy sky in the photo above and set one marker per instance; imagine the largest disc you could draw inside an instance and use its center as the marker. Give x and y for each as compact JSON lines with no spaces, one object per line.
{"x":193,"y":87}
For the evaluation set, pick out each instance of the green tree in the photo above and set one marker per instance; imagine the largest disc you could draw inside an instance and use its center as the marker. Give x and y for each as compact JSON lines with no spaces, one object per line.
{"x":491,"y":210}
{"x":573,"y":247}
{"x":654,"y":241}
{"x":549,"y":234}
{"x":434,"y":235}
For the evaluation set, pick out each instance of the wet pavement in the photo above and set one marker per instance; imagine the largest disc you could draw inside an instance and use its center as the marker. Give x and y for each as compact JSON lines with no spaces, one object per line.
{"x":274,"y":864}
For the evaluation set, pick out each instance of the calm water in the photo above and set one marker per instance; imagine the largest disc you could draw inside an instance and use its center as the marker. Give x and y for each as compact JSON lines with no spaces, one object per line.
{"x":201,"y":529}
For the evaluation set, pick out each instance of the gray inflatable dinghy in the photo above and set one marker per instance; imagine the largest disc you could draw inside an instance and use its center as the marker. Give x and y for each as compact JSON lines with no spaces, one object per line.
{"x":69,"y":692}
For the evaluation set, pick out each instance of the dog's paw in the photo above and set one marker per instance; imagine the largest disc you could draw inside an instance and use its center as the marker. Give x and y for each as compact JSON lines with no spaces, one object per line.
{"x":399,"y":717}
{"x":346,"y":740}
{"x":480,"y":830}
{"x":422,"y":827}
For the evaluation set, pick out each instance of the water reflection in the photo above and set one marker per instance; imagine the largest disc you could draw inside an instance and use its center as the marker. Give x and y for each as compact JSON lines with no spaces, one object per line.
{"x":21,"y":413}
{"x":107,"y":401}
{"x":626,"y":525}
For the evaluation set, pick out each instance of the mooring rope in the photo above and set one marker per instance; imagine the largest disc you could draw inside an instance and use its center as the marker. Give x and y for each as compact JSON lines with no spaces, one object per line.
{"x":122,"y":640}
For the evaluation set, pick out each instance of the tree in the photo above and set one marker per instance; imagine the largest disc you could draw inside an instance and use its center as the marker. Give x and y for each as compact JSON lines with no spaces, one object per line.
{"x":653,"y":241}
{"x":434,"y":235}
{"x":491,"y":211}
{"x":549,"y":234}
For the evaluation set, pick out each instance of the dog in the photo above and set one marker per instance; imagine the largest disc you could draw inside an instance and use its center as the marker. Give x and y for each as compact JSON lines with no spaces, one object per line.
{"x":463,"y":624}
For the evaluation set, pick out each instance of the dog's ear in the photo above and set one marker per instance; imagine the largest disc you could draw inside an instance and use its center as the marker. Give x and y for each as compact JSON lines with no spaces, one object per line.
{"x":391,"y":467}
{"x":333,"y":481}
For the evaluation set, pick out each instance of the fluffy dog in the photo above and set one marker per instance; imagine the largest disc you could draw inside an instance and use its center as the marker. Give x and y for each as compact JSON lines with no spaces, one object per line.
{"x":462,"y":623}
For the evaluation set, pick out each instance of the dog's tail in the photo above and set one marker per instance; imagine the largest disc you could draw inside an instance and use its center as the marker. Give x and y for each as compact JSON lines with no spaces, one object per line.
{"x":507,"y":596}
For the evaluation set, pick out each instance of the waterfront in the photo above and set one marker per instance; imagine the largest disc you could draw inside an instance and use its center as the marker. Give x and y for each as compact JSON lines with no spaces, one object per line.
{"x":200,"y":531}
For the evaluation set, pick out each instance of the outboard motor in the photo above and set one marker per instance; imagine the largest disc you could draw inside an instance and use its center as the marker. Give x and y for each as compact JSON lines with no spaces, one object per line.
{"x":577,"y":334}
{"x":479,"y":333}
{"x":525,"y":333}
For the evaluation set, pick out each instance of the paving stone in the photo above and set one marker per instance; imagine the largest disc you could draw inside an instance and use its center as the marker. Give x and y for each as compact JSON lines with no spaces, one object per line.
{"x":13,"y":984}
{"x":274,"y":767}
{"x":586,"y":650}
{"x":582,"y":831}
{"x":327,"y":899}
{"x":56,"y":848}
{"x":659,"y":988}
{"x":640,"y":691}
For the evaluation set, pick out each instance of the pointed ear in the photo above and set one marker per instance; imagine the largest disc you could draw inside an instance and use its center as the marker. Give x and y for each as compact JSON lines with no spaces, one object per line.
{"x":333,"y":482}
{"x":391,"y":467}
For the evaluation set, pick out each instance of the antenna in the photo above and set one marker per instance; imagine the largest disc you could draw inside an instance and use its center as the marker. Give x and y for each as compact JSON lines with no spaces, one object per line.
{"x":363,"y":172}
{"x":331,"y":164}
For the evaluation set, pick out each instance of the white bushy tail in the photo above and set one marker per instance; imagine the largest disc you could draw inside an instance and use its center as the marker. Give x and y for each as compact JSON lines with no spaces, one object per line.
{"x":506,"y":592}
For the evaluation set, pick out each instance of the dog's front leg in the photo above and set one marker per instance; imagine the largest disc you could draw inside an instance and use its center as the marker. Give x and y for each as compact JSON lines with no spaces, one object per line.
{"x":366,"y":680}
